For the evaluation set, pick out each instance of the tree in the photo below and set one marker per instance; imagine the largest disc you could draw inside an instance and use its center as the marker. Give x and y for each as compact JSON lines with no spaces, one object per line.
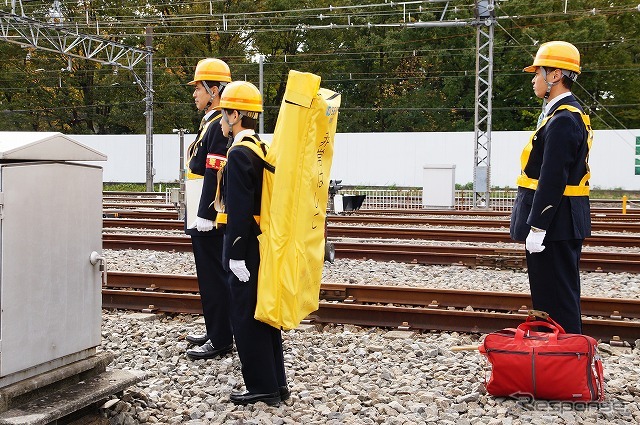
{"x":391,"y":77}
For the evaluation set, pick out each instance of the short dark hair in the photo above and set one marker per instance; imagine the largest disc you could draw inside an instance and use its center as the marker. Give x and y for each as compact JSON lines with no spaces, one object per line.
{"x":566,"y":81}
{"x":245,"y":121}
{"x":212,"y":84}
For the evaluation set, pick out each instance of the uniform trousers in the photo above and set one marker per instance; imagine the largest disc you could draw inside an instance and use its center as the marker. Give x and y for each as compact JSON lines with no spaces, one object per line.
{"x":214,"y":291}
{"x":554,"y":280}
{"x":259,"y":345}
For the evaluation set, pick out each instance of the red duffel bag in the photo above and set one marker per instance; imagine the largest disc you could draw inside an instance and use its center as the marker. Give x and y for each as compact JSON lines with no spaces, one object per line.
{"x":551,"y":365}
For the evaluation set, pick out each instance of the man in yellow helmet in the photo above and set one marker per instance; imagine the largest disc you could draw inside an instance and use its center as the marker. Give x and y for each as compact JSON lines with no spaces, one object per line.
{"x":205,"y":157}
{"x":259,"y":345}
{"x":551,"y":210}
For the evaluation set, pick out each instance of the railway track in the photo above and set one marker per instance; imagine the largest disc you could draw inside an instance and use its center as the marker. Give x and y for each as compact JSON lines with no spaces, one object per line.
{"x":608,"y":220}
{"x":419,"y":254}
{"x":612,"y":320}
{"x":384,"y":232}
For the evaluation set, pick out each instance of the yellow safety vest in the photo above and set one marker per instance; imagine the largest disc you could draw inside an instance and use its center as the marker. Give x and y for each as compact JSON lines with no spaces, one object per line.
{"x":582,"y":189}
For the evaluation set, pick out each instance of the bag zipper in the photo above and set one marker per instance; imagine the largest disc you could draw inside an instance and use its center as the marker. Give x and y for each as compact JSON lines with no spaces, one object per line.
{"x":498,"y":350}
{"x":564,"y":353}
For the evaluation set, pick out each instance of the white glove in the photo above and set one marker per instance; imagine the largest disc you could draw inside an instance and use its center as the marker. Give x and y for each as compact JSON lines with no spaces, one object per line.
{"x":203,"y":225}
{"x":239,"y":268}
{"x":534,"y":241}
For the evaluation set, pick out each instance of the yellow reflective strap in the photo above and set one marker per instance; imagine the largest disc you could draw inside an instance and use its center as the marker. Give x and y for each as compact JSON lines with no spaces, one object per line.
{"x":576,"y":190}
{"x":193,"y":176}
{"x":221,"y":218}
{"x":569,"y":190}
{"x":526,"y":182}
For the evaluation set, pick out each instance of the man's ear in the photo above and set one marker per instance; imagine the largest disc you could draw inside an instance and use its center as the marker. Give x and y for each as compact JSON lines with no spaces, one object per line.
{"x":560,"y":76}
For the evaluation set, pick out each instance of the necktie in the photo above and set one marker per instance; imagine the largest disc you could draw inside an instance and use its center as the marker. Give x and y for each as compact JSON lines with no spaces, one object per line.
{"x":202,"y":123}
{"x":540,"y":119}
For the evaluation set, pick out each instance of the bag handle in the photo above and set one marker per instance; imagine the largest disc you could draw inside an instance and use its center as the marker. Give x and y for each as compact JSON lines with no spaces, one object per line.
{"x":528,"y":325}
{"x":539,"y":314}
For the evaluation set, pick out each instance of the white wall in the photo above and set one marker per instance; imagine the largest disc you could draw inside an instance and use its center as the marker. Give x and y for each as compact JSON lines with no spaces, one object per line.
{"x":381,"y":159}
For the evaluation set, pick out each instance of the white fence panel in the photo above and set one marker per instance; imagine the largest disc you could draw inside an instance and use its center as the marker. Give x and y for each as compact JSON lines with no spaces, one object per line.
{"x":387,"y":159}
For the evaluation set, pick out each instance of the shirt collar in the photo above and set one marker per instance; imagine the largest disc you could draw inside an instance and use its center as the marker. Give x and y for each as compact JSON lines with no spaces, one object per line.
{"x":208,"y":114}
{"x":555,"y":100}
{"x":238,"y":137}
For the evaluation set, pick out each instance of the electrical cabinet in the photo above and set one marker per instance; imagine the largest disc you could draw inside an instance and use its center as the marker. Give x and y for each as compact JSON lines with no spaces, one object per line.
{"x":50,"y":224}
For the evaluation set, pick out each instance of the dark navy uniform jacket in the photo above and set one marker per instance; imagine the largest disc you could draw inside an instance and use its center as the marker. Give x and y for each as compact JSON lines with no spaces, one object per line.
{"x":243,"y":174}
{"x":213,"y":142}
{"x":558,"y":158}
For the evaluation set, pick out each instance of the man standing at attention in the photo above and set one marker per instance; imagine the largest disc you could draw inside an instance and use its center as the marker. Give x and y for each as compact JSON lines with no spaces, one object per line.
{"x":205,"y":156}
{"x":551,"y":210}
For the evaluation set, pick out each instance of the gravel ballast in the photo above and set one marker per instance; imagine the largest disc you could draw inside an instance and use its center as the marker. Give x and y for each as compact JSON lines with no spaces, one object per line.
{"x":343,"y":374}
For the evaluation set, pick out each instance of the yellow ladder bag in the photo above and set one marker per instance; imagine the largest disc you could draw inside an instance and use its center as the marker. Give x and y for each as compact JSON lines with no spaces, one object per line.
{"x":294,"y":202}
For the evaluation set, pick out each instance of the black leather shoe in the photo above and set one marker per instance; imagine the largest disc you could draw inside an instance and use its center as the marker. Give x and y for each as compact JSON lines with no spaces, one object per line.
{"x":208,"y":351}
{"x":197,"y":339}
{"x":284,"y":393}
{"x":271,"y":399}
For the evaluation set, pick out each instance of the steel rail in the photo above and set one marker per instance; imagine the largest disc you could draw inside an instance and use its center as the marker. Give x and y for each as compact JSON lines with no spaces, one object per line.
{"x":431,"y":309}
{"x":627,"y":226}
{"x":599,"y":222}
{"x":138,"y":214}
{"x":615,"y":308}
{"x":460,"y":321}
{"x":610,"y":262}
{"x":160,"y":205}
{"x":463,"y":235}
{"x":603,"y":212}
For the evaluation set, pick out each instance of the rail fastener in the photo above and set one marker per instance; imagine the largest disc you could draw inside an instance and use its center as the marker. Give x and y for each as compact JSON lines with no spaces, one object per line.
{"x":151,"y":309}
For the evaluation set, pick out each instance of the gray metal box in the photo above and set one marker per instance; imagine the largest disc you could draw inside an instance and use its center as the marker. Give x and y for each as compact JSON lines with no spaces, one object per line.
{"x":50,"y":223}
{"x":438,"y":189}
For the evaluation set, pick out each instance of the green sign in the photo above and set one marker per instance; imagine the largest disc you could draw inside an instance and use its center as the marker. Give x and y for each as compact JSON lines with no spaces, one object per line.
{"x":637,"y":155}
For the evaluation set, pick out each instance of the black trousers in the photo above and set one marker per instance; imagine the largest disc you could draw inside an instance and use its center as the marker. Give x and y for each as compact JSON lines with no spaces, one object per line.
{"x":554,"y":280}
{"x":259,"y":345}
{"x":214,"y":292}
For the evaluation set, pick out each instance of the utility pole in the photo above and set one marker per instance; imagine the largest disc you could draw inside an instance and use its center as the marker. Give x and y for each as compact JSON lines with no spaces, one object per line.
{"x":149,"y":109}
{"x":181,"y":194}
{"x":261,"y":119}
{"x":485,"y":22}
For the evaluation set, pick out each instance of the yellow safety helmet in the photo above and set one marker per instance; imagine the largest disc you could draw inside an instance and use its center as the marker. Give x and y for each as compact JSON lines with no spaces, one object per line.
{"x":211,"y":69}
{"x":556,"y":54}
{"x":243,"y":97}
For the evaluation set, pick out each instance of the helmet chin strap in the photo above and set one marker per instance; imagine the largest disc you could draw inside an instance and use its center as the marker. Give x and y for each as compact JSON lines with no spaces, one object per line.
{"x":231,"y":136}
{"x":213,"y":96}
{"x":543,"y":73}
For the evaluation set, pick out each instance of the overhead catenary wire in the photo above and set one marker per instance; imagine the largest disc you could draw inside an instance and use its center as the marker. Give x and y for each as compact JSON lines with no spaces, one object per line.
{"x":377,"y":76}
{"x":598,"y":103}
